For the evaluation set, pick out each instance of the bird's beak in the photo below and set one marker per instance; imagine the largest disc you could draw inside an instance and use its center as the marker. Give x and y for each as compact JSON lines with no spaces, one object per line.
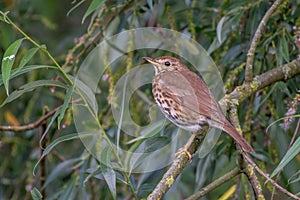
{"x":151,"y":60}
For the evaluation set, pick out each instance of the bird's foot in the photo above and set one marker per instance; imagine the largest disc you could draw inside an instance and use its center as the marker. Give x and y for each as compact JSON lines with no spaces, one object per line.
{"x":185,"y":151}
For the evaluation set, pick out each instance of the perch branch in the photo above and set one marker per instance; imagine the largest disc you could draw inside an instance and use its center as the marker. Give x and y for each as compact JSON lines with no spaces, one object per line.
{"x":176,"y":168}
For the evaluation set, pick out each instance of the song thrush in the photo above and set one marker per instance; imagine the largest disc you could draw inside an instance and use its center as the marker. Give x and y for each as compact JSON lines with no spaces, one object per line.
{"x":185,"y":99}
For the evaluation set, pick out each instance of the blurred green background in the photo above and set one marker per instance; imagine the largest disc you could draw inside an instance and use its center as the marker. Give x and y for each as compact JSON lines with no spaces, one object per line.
{"x":71,"y":29}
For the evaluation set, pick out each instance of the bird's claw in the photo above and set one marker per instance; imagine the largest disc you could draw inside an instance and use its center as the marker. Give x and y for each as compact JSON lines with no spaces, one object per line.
{"x":184,"y":151}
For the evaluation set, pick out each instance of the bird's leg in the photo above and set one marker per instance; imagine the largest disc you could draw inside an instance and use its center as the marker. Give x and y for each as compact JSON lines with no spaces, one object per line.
{"x":186,"y":147}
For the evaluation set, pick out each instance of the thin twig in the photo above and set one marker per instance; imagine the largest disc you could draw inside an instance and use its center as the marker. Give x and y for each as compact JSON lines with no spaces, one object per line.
{"x":31,"y":125}
{"x":247,"y":168}
{"x":268,"y":178}
{"x":281,"y":73}
{"x":42,"y":172}
{"x":35,"y":124}
{"x":42,"y":48}
{"x":256,"y":39}
{"x":215,"y":184}
{"x":255,"y":184}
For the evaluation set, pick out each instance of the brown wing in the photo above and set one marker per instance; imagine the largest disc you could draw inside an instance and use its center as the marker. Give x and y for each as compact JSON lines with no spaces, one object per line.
{"x":191,"y":92}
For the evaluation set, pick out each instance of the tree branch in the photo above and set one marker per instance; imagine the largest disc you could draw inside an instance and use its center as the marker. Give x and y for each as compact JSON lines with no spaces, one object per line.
{"x":247,"y":168}
{"x":42,"y":171}
{"x":248,"y":159}
{"x":256,"y":39}
{"x":281,"y":73}
{"x":215,"y":184}
{"x":31,"y":125}
{"x":176,"y":168}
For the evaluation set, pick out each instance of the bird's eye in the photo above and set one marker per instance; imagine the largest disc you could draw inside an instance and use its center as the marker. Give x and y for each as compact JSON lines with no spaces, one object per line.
{"x":167,"y":63}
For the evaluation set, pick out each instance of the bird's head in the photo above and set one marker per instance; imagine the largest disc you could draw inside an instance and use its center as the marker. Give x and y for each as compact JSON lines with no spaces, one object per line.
{"x":165,"y":63}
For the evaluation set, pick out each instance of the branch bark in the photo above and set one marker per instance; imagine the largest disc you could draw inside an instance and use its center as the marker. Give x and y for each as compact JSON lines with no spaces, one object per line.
{"x":256,"y":39}
{"x":248,"y":159}
{"x":30,"y":126}
{"x":281,"y":73}
{"x":247,"y":168}
{"x":176,"y":168}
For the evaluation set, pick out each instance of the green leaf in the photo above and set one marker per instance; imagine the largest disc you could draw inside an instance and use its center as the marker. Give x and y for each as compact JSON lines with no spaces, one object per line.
{"x":108,"y":173}
{"x":28,"y":55}
{"x":35,"y":194}
{"x":69,"y":190}
{"x":292,"y":152}
{"x":8,"y":61}
{"x":149,"y":131}
{"x":284,"y":49}
{"x":93,"y":6}
{"x":29,"y":87}
{"x":62,"y":170}
{"x":294,"y":178}
{"x":49,"y":125}
{"x":76,"y":6}
{"x":282,"y":118}
{"x":18,"y":72}
{"x":58,"y":141}
{"x":220,"y":31}
{"x":65,"y":105}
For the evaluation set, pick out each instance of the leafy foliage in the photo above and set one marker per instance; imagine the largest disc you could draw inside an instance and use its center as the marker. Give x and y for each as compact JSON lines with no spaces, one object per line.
{"x":36,"y":80}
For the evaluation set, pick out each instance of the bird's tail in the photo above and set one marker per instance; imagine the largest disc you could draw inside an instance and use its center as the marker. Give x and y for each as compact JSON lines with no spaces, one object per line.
{"x":229,"y":128}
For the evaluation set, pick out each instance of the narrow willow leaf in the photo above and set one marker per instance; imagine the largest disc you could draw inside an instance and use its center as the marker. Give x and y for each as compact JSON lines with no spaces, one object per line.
{"x":18,"y":72}
{"x":58,"y":141}
{"x":69,"y":190}
{"x":8,"y":61}
{"x":49,"y":125}
{"x":220,"y":28}
{"x":35,"y":194}
{"x":282,"y":118}
{"x":294,"y":178}
{"x":149,"y":131}
{"x":292,"y":152}
{"x":29,"y":87}
{"x":62,"y":170}
{"x":93,"y":6}
{"x":94,"y":173}
{"x":108,"y":173}
{"x":74,"y":7}
{"x":284,"y":50}
{"x":28,"y":55}
{"x":65,"y":105}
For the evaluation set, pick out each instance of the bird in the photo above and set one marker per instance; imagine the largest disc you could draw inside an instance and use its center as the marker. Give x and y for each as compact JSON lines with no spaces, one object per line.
{"x":185,"y":99}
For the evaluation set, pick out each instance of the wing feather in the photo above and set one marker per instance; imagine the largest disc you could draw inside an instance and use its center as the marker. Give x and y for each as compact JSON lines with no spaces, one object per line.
{"x":191,"y":93}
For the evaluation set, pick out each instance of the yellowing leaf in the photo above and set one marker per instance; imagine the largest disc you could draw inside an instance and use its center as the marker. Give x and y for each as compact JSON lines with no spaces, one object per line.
{"x":11,"y":119}
{"x":228,"y":193}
